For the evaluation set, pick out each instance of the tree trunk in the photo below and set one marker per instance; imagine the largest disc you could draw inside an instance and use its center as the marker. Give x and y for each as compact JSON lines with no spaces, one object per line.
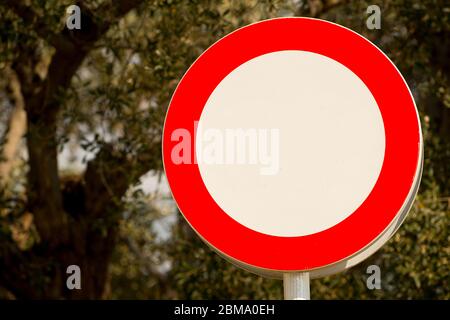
{"x":16,"y":130}
{"x":76,"y":220}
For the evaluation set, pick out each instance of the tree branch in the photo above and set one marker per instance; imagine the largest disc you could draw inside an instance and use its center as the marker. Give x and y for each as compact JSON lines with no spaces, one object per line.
{"x":108,"y":176}
{"x":32,"y":18}
{"x":16,"y":129}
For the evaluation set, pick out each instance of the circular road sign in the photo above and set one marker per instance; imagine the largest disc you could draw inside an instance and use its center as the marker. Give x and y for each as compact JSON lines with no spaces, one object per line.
{"x":293,"y":144}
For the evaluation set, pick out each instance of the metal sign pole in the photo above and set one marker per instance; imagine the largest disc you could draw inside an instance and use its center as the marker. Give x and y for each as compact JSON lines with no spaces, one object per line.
{"x":296,"y":286}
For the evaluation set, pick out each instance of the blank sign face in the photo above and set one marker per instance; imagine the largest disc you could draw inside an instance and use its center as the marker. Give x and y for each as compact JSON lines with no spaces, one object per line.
{"x":313,"y":141}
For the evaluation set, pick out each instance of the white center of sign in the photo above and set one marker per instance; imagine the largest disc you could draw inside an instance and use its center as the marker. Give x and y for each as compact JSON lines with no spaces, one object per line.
{"x":330,"y":148}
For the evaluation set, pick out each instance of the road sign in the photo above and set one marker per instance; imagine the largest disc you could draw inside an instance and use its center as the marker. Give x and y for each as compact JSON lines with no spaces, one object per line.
{"x":293,"y":145}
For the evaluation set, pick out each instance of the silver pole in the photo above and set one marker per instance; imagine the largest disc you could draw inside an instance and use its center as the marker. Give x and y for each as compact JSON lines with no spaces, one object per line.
{"x":296,"y":286}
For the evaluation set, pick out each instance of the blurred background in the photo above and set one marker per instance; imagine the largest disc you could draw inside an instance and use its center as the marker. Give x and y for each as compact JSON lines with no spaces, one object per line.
{"x":81,"y":178}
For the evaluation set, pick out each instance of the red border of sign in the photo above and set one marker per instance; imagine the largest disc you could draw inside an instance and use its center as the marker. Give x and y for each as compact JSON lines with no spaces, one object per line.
{"x":396,"y":178}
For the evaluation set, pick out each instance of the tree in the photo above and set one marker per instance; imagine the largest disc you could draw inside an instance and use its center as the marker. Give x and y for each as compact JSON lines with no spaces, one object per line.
{"x":103,"y":87}
{"x":65,"y":217}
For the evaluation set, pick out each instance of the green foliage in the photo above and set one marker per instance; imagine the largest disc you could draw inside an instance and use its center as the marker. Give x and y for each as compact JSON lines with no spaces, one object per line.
{"x":120,"y":93}
{"x":199,"y":273}
{"x":134,"y":270}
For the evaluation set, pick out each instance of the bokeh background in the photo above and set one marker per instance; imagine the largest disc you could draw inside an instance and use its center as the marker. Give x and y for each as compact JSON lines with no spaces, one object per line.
{"x":81,"y":115}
